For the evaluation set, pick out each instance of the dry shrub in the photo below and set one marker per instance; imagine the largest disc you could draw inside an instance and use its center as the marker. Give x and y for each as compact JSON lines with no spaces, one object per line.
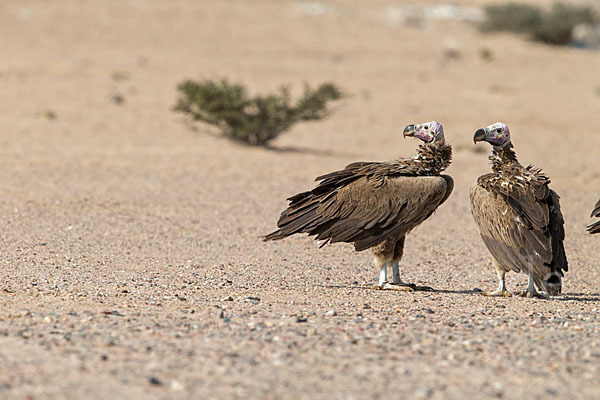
{"x":252,"y":120}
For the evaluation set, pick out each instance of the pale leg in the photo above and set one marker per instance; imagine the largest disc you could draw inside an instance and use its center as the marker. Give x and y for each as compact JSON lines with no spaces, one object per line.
{"x":501,"y":291}
{"x":383,"y":284}
{"x":383,"y":275}
{"x":531,"y":292}
{"x":397,"y":283}
{"x":531,"y":287}
{"x":396,"y":273}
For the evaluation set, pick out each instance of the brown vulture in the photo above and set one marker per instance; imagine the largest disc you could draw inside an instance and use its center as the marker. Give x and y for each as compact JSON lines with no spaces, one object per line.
{"x":519,"y":217}
{"x":375,"y":204}
{"x":595,"y":227}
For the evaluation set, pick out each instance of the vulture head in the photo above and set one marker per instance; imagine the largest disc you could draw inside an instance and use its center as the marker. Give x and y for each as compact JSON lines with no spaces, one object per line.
{"x":496,"y":134}
{"x":428,"y":132}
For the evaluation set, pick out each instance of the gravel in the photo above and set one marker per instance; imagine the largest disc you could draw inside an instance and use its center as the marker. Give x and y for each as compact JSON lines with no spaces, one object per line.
{"x":132,"y":264}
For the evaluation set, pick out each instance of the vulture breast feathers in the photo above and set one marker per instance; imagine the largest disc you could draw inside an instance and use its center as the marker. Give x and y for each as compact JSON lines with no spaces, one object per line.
{"x":519,"y":218}
{"x":595,"y":227}
{"x":367,"y":202}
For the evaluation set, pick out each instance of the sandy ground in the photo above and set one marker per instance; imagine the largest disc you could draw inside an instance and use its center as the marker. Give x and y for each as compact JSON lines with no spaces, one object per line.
{"x":131,"y":264}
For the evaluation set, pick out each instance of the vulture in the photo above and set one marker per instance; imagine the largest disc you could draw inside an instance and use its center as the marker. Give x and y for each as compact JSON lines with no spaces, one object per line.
{"x":519,"y":218}
{"x":375,"y":204}
{"x":595,"y":227}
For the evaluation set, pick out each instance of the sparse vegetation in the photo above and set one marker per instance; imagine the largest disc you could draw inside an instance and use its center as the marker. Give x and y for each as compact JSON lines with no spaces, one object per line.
{"x":557,"y":24}
{"x":253,"y":120}
{"x":511,"y":17}
{"x":552,"y":27}
{"x":49,"y":114}
{"x":486,"y":54}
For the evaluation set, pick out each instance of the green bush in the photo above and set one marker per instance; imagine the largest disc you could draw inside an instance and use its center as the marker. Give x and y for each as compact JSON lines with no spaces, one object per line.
{"x":255,"y":120}
{"x":551,"y":27}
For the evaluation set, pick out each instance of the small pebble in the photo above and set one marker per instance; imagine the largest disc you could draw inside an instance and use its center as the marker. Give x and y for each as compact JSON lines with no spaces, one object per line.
{"x":331,"y":313}
{"x":176,"y":386}
{"x":154,"y":381}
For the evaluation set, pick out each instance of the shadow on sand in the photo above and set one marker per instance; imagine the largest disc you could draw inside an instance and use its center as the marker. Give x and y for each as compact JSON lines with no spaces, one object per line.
{"x":215,"y":133}
{"x":583,"y":297}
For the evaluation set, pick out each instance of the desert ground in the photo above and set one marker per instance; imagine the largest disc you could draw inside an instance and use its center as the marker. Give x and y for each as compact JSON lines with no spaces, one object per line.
{"x":131,"y":257}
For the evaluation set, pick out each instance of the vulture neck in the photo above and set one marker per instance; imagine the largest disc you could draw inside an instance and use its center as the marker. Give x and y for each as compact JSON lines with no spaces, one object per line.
{"x":432,"y":158}
{"x":503,"y":159}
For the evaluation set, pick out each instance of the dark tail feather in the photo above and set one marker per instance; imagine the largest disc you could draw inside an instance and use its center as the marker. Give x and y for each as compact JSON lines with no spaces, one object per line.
{"x":594,"y":228}
{"x":277,"y":235}
{"x":553,"y":284}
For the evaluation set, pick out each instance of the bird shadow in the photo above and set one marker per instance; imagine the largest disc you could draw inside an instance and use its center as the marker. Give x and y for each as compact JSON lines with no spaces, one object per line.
{"x":371,"y":287}
{"x":450,"y":291}
{"x":583,"y":297}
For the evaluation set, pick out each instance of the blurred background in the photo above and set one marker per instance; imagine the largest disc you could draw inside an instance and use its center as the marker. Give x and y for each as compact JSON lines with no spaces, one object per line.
{"x":113,"y":66}
{"x":89,"y":90}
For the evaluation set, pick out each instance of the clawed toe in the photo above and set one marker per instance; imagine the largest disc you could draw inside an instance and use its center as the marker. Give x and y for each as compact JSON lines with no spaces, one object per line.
{"x":532,"y":295}
{"x":402,"y":287}
{"x":497,"y":293}
{"x":421,"y":288}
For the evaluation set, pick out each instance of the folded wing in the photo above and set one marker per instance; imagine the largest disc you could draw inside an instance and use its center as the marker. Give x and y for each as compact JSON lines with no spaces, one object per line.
{"x":522,"y":226}
{"x":363,"y":204}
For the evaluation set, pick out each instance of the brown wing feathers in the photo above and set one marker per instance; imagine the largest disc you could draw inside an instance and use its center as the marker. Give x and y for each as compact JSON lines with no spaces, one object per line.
{"x":530,"y":237}
{"x":302,"y":216}
{"x":539,"y":212}
{"x":557,"y":229}
{"x":364,"y":204}
{"x":595,"y":227}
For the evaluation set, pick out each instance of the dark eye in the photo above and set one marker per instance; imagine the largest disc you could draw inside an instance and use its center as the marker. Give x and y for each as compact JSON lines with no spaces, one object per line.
{"x":425,"y":127}
{"x":498,"y":130}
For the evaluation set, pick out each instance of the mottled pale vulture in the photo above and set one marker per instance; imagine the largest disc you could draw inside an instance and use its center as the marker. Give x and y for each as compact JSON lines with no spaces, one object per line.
{"x":519,"y":217}
{"x":595,"y":227}
{"x":375,"y":204}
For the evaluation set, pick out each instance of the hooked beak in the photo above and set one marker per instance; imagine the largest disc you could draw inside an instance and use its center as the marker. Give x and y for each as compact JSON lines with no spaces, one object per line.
{"x":479,"y":136}
{"x":409,"y":131}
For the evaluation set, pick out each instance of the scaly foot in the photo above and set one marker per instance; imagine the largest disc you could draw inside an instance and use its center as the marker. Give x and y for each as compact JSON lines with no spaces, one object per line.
{"x":402,"y":287}
{"x":497,"y":293}
{"x":537,"y":295}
